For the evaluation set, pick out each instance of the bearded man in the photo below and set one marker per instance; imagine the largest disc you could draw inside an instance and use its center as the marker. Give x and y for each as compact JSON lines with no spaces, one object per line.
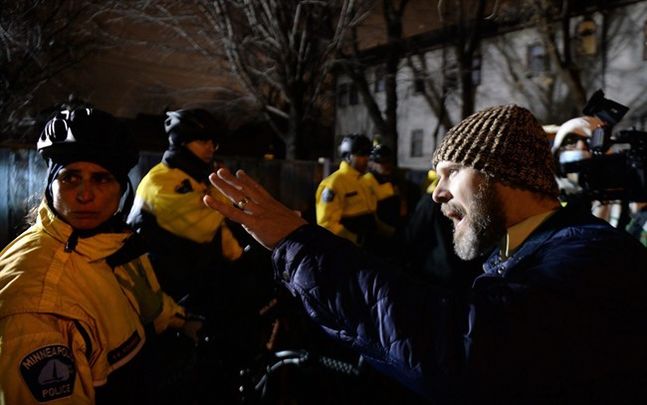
{"x":559,"y":314}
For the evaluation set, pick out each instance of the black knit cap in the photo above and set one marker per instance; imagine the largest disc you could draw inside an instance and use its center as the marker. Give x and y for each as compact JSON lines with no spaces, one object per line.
{"x":184,"y":126}
{"x":505,"y":143}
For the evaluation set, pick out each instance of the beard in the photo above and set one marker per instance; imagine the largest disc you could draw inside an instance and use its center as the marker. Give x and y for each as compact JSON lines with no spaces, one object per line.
{"x":484,"y":223}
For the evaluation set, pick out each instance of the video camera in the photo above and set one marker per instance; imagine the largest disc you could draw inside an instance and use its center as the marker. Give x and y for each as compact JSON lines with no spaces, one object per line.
{"x":621,"y":175}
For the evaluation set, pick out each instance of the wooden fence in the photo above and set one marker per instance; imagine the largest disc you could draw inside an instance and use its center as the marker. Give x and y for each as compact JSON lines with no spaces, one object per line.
{"x":23,"y":176}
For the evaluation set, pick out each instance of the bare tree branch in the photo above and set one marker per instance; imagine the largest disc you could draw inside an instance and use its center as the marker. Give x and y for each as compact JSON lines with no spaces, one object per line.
{"x":38,"y":40}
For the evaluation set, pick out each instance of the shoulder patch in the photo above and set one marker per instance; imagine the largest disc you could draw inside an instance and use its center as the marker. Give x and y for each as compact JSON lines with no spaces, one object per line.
{"x":184,"y":187}
{"x":49,"y":372}
{"x":328,"y":195}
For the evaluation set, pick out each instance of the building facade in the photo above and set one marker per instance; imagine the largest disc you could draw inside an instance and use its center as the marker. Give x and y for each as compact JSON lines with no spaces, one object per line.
{"x":512,"y":65}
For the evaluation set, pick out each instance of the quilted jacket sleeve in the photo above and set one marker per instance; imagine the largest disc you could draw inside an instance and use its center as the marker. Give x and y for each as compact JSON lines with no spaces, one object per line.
{"x":400,"y":326}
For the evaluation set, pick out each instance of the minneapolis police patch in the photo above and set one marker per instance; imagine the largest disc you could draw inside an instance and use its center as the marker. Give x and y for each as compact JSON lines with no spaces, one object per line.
{"x":49,"y":372}
{"x":328,"y":195}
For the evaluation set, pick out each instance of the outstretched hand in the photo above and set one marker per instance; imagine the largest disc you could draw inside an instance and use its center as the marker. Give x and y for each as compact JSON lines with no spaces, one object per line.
{"x":266,"y":219}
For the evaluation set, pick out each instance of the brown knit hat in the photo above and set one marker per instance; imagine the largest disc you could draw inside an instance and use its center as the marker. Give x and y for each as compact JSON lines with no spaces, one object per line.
{"x":506,"y":143}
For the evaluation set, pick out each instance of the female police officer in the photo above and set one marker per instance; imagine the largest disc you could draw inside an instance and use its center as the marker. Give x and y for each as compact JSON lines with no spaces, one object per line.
{"x":77,"y":295}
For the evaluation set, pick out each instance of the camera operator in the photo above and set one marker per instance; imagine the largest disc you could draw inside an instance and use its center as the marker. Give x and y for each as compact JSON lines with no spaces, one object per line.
{"x":571,"y":145}
{"x":596,"y":166}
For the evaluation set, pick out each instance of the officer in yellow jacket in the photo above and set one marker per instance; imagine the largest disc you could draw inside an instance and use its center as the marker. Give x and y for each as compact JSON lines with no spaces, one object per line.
{"x":346,"y":201}
{"x":77,"y":293}
{"x":186,"y":239}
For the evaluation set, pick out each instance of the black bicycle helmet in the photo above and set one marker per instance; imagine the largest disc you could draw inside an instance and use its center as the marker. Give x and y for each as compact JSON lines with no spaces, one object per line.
{"x":381,"y":154}
{"x":188,"y":125}
{"x":88,"y":134}
{"x":355,"y":144}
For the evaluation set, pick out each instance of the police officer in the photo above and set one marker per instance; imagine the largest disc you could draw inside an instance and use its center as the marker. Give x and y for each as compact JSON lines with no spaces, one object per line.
{"x":347,"y":200}
{"x":187,"y":240}
{"x":197,"y":258}
{"x":392,"y":189}
{"x":78,"y":296}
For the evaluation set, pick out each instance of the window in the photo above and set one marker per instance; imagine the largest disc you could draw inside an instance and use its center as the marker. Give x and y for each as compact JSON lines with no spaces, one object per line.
{"x":645,"y":41}
{"x":353,"y":95}
{"x":419,"y":85}
{"x":476,"y":69}
{"x":342,"y":95}
{"x":537,"y":60}
{"x":379,"y":84}
{"x":450,"y":77}
{"x":416,"y":143}
{"x":587,"y":40}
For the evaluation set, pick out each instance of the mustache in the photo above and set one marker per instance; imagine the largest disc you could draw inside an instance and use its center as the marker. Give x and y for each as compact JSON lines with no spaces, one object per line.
{"x":450,"y":209}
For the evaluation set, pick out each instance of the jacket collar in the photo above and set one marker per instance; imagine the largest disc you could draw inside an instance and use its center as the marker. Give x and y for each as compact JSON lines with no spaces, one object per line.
{"x":346,"y":168}
{"x":518,"y":233}
{"x":183,"y":159}
{"x":93,"y":248}
{"x":495,"y":264}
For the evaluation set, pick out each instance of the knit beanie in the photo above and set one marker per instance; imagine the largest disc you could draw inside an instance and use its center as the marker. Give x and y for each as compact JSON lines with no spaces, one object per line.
{"x":505,"y":143}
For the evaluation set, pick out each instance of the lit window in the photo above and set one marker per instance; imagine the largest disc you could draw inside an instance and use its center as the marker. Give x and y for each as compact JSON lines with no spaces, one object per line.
{"x":476,"y":69}
{"x":450,"y":77}
{"x":342,"y":95}
{"x":353,"y":95}
{"x":419,"y":85}
{"x":587,"y":40}
{"x":537,"y":60}
{"x":416,"y":143}
{"x":379,"y":79}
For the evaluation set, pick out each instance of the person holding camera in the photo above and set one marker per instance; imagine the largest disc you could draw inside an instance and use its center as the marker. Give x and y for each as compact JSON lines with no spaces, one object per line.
{"x":571,"y":145}
{"x":558,"y":315}
{"x":598,"y":169}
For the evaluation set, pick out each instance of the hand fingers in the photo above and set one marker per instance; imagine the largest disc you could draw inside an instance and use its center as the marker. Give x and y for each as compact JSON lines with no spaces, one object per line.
{"x":123,"y":281}
{"x":241,"y":189}
{"x":243,"y":183}
{"x":251,"y":187}
{"x":227,"y":210}
{"x":223,"y":181}
{"x":226,"y":175}
{"x":126,"y":282}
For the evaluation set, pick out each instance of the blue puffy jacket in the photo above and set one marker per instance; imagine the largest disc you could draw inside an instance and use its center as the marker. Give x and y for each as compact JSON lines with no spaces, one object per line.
{"x":563,"y":319}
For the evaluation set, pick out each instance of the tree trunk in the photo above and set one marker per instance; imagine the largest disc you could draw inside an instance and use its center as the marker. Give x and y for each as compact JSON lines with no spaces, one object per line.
{"x":357,"y":73}
{"x":393,"y":20}
{"x":294,"y":145}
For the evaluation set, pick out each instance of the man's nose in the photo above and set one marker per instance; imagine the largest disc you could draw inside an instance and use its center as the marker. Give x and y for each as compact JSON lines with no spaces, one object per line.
{"x":441,"y":194}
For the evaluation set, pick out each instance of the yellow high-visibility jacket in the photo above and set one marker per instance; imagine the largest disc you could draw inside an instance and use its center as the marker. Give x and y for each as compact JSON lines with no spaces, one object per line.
{"x":380,"y":191}
{"x":347,"y":195}
{"x":174,"y":199}
{"x":67,"y":318}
